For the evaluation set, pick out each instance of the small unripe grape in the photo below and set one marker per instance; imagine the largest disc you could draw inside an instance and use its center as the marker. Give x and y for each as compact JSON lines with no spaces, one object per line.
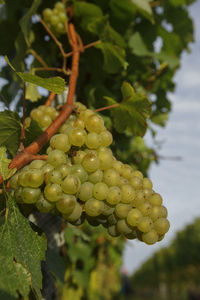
{"x":94,"y":123}
{"x":84,"y":115}
{"x":71,"y":184}
{"x":53,"y":192}
{"x":61,"y":142}
{"x":47,"y":13}
{"x":86,"y":191}
{"x":111,"y":177}
{"x":121,"y":210}
{"x":163,"y":212}
{"x":77,"y":137}
{"x":30,"y":195}
{"x":94,"y":207}
{"x":123,"y":227}
{"x":136,"y":183}
{"x":145,"y":208}
{"x":155,"y":199}
{"x":59,"y":6}
{"x":132,"y":235}
{"x":114,"y":195}
{"x":80,"y":172}
{"x":150,"y":237}
{"x":134,"y":217}
{"x":100,"y":191}
{"x":36,"y":114}
{"x":161,"y":225}
{"x":145,"y":224}
{"x":56,"y":158}
{"x":90,"y":162}
{"x":106,"y":138}
{"x":128,"y":193}
{"x":14,"y":181}
{"x":93,"y":140}
{"x":37,"y":164}
{"x":35,"y":178}
{"x":44,"y":205}
{"x":66,"y":204}
{"x":59,"y":27}
{"x":80,"y":107}
{"x":147,"y":184}
{"x":96,"y":176}
{"x":54,"y":20}
{"x":51,"y":112}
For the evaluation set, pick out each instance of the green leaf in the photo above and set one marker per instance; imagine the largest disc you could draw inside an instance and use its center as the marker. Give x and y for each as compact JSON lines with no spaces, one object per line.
{"x":114,"y":57}
{"x":25,"y":22}
{"x":84,"y":9}
{"x":32,"y":132}
{"x":32,"y":93}
{"x":21,"y":253}
{"x":144,"y":8}
{"x":4,"y":163}
{"x":138,"y":46}
{"x":10,"y":131}
{"x":160,"y":119}
{"x":54,"y":84}
{"x":127,"y":90}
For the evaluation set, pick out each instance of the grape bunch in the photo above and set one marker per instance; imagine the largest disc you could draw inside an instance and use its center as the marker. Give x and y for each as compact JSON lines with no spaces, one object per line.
{"x":55,"y":18}
{"x":43,"y":115}
{"x":81,"y":179}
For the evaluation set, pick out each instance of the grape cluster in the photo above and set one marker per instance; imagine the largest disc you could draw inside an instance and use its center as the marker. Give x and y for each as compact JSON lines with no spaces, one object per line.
{"x":81,"y":179}
{"x":55,"y":18}
{"x":43,"y":115}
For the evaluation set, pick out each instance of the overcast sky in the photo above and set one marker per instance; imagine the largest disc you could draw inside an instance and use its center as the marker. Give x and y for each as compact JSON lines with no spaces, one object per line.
{"x":177,"y":181}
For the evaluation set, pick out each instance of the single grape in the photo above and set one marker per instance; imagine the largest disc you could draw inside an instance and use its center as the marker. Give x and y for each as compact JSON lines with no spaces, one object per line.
{"x":47,"y":168}
{"x":61,"y":142}
{"x":106,"y":138}
{"x":94,"y":207}
{"x":93,"y":140}
{"x":23,"y":178}
{"x":163,"y":211}
{"x":105,"y":159}
{"x":139,"y":198}
{"x":90,"y":162}
{"x":71,"y":184}
{"x":134,"y":217}
{"x":78,"y":157}
{"x":54,"y":19}
{"x":122,"y":181}
{"x":123,"y":227}
{"x":44,"y":120}
{"x":30,"y":195}
{"x":80,"y":172}
{"x":96,"y":176}
{"x":56,"y":158}
{"x":53,"y":177}
{"x":44,"y":205}
{"x":47,"y":13}
{"x":100,"y":191}
{"x":118,"y":166}
{"x":59,"y":6}
{"x":147,"y":184}
{"x":161,"y":225}
{"x":77,"y":137}
{"x":112,"y":219}
{"x":51,"y":112}
{"x":111,"y":177}
{"x":114,"y":195}
{"x":150,"y":237}
{"x":138,"y":174}
{"x":108,"y":209}
{"x":86,"y":191}
{"x":147,"y":193}
{"x":155,"y":199}
{"x":79,"y":124}
{"x":155,"y":213}
{"x":63,"y":169}
{"x":80,"y":107}
{"x":75,"y":215}
{"x":53,"y":192}
{"x":66,"y":204}
{"x":145,"y":208}
{"x":94,"y":123}
{"x":145,"y":224}
{"x":121,"y":210}
{"x":132,"y":235}
{"x":127,"y":171}
{"x":136,"y":183}
{"x":37,"y":164}
{"x":112,"y":230}
{"x":128,"y":193}
{"x":35,"y":178}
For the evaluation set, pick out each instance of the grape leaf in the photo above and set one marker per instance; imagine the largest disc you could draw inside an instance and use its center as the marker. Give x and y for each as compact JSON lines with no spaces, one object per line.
{"x":10,"y":131}
{"x":4,"y":163}
{"x":144,"y":8}
{"x":32,"y":93}
{"x":160,"y":119}
{"x":54,"y":84}
{"x":138,"y":46}
{"x":32,"y":132}
{"x":21,"y":253}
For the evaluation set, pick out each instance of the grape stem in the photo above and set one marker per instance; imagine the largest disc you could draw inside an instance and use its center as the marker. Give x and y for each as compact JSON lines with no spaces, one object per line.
{"x":50,"y":99}
{"x":29,"y":153}
{"x":107,"y":107}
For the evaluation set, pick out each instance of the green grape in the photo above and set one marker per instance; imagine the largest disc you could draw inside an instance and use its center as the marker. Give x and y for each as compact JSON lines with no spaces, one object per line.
{"x":90,"y":162}
{"x":59,"y":6}
{"x":147,"y":184}
{"x":14,"y":181}
{"x":56,"y":158}
{"x":93,"y":140}
{"x":49,"y":149}
{"x":77,"y":137}
{"x":51,"y":112}
{"x":53,"y":192}
{"x":147,"y":193}
{"x":23,"y":178}
{"x":66,"y":204}
{"x":138,"y":174}
{"x":139,"y":198}
{"x":71,"y":184}
{"x":100,"y":191}
{"x":161,"y":237}
{"x":132,"y":235}
{"x":114,"y":195}
{"x":44,"y":121}
{"x":112,"y":230}
{"x":106,"y":138}
{"x":127,"y":172}
{"x":118,"y":166}
{"x":84,"y":115}
{"x":78,"y":157}
{"x":65,"y":128}
{"x":92,"y":221}
{"x":96,"y":176}
{"x":163,"y":211}
{"x":47,"y":13}
{"x":121,"y":210}
{"x":54,"y":19}
{"x":79,"y":124}
{"x":94,"y":123}
{"x":112,"y":219}
{"x":18,"y":194}
{"x":155,"y":213}
{"x":155,"y":199}
{"x":105,"y":159}
{"x":75,"y":215}
{"x":150,"y":237}
{"x":60,"y":141}
{"x":62,"y":17}
{"x":134,"y":217}
{"x":136,"y":183}
{"x":111,"y":177}
{"x":161,"y":225}
{"x":145,"y":224}
{"x":123,"y":227}
{"x":122,"y":181}
{"x":44,"y":205}
{"x":86,"y":191}
{"x":37,"y":164}
{"x":94,"y":207}
{"x":108,"y":209}
{"x":36,"y":114}
{"x":145,"y":208}
{"x":47,"y":168}
{"x":53,"y":177}
{"x":35,"y":178}
{"x":80,"y":107}
{"x":64,"y":169}
{"x":80,"y":172}
{"x":30,"y":195}
{"x":128,"y":193}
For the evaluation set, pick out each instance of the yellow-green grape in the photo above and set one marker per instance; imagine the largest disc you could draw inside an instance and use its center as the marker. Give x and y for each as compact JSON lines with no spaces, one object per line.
{"x":145,"y":208}
{"x":60,"y":27}
{"x":37,"y":164}
{"x":85,"y":114}
{"x":66,"y":204}
{"x":132,"y":235}
{"x":122,"y":181}
{"x":111,"y":177}
{"x":100,"y":191}
{"x":56,"y":158}
{"x":79,"y":124}
{"x":53,"y":192}
{"x":147,"y":184}
{"x":93,"y":140}
{"x":147,"y":193}
{"x":106,"y":138}
{"x":136,"y":183}
{"x":139,"y":198}
{"x":23,"y":178}
{"x":155,"y":199}
{"x":145,"y":224}
{"x":35,"y":178}
{"x":94,"y":123}
{"x":18,"y":194}
{"x":53,"y":176}
{"x":44,"y":205}
{"x":80,"y":172}
{"x":47,"y":168}
{"x":118,"y":166}
{"x":134,"y":216}
{"x":30,"y":195}
{"x":90,"y":162}
{"x":64,"y":169}
{"x":59,"y":6}
{"x":150,"y":237}
{"x":105,"y":159}
{"x":112,"y":219}
{"x":123,"y":227}
{"x":75,"y":215}
{"x":138,"y":174}
{"x":61,"y":142}
{"x":96,"y":176}
{"x":94,"y":207}
{"x":163,"y":211}
{"x":161,"y":225}
{"x":77,"y":137}
{"x":121,"y":210}
{"x":78,"y":157}
{"x":128,"y":193}
{"x":44,"y":121}
{"x":127,"y":172}
{"x":112,"y":230}
{"x":107,"y":209}
{"x":114,"y":195}
{"x":54,"y":20}
{"x":14,"y":181}
{"x":155,"y":213}
{"x":71,"y":184}
{"x":80,"y":107}
{"x":86,"y":191}
{"x":47,"y":13}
